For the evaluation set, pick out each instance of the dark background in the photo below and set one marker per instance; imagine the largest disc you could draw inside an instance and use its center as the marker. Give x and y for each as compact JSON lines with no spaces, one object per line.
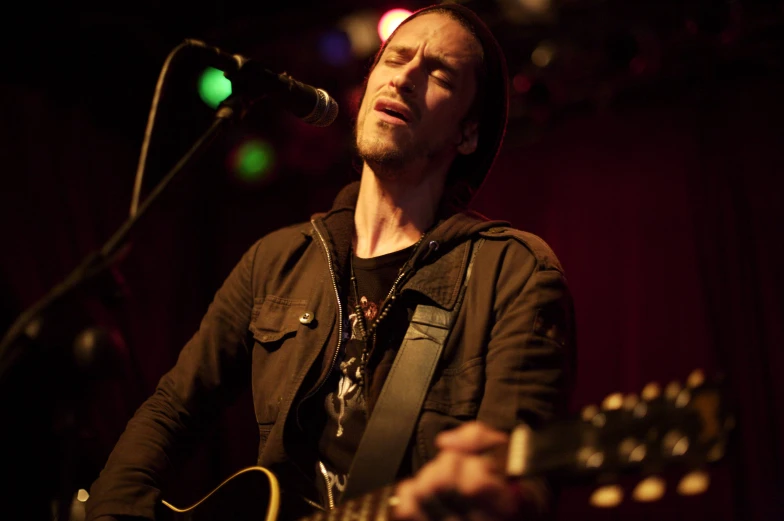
{"x":648,"y":154}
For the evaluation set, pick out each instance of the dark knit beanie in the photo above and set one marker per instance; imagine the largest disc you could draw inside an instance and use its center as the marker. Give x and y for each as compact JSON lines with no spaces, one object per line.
{"x":468,"y":172}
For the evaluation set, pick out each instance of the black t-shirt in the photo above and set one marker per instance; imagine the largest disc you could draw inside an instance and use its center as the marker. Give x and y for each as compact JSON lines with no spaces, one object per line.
{"x":344,"y":400}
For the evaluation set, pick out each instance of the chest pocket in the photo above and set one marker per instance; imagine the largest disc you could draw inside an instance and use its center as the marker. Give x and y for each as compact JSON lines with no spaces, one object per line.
{"x":274,"y":319}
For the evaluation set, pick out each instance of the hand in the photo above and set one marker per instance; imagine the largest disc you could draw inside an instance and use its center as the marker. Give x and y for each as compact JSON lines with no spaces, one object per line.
{"x":461,"y":482}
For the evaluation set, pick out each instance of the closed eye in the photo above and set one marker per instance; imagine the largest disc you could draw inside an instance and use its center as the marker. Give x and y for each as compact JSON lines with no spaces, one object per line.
{"x":443,"y":81}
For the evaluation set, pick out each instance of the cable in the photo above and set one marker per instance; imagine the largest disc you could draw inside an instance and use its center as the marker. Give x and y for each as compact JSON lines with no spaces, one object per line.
{"x":137,"y":186}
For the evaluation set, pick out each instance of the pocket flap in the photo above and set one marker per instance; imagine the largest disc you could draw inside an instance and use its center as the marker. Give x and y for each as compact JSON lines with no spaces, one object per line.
{"x":275,"y":317}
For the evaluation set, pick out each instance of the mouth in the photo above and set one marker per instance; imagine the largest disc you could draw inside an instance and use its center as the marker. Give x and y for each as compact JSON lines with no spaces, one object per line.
{"x":393,"y":112}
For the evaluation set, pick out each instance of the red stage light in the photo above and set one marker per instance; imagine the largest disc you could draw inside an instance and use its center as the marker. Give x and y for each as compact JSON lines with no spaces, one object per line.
{"x":389,"y":22}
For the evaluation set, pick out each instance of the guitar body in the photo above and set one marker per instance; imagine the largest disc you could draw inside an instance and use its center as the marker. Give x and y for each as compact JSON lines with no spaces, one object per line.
{"x":252,"y":494}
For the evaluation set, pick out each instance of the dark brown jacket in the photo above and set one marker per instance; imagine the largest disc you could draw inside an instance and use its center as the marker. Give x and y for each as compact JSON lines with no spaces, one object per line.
{"x":275,"y":324}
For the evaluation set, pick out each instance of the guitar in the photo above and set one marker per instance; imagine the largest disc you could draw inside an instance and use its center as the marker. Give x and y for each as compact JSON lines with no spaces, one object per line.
{"x":683,"y":426}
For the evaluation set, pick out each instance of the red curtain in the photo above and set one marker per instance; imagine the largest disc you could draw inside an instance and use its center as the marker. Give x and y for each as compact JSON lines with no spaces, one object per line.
{"x":667,"y":219}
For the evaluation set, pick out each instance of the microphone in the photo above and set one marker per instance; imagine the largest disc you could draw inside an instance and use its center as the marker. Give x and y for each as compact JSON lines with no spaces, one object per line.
{"x":251,"y":81}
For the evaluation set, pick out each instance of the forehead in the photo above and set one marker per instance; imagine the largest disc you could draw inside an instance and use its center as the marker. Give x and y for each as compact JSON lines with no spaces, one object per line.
{"x":440,"y":34}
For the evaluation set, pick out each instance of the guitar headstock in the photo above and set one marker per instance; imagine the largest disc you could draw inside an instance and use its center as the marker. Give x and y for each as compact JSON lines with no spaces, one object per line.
{"x":684,"y":425}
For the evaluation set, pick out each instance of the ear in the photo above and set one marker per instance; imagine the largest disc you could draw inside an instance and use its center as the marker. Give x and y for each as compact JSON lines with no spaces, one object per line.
{"x":469,"y":137}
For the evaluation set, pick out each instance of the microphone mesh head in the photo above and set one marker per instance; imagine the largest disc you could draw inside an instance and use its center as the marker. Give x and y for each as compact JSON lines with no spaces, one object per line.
{"x":325,"y":112}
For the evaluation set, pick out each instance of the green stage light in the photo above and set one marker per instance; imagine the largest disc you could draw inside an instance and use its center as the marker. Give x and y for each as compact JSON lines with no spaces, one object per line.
{"x":214,"y":87}
{"x":253,"y":160}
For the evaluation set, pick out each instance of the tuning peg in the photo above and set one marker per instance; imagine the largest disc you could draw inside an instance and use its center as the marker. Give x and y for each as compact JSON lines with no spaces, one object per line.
{"x":675,"y":443}
{"x":593,"y":415}
{"x":696,"y":378}
{"x":631,"y":450}
{"x":608,"y":496}
{"x":693,"y":483}
{"x":640,"y":410}
{"x":630,"y":401}
{"x":650,"y":489}
{"x":612,"y":402}
{"x":590,"y":458}
{"x":672,"y":390}
{"x":651,"y":391}
{"x":683,"y":398}
{"x":589,"y":412}
{"x":716,"y":452}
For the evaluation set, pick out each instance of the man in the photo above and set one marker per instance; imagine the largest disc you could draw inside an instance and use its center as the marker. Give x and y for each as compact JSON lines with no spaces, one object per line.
{"x":313,"y":315}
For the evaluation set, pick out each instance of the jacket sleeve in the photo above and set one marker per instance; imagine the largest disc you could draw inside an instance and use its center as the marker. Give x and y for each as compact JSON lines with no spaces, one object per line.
{"x":210,"y":371}
{"x":531,"y":350}
{"x":530,"y":366}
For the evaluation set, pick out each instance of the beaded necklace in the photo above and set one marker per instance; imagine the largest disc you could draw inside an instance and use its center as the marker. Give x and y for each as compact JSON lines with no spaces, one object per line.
{"x":365,"y":330}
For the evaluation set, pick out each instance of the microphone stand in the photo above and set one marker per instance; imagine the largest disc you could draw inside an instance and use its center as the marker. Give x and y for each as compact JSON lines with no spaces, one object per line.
{"x":99,"y":260}
{"x":26,"y":331}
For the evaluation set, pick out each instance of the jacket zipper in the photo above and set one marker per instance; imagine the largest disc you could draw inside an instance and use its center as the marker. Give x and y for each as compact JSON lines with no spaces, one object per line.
{"x":340,"y":320}
{"x":340,"y":316}
{"x":322,"y":468}
{"x":330,"y":497}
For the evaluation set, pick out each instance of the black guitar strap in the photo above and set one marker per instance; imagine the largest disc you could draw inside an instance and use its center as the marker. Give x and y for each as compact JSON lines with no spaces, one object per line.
{"x":391,"y":425}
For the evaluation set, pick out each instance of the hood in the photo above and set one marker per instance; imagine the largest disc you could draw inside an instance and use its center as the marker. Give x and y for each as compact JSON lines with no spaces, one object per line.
{"x":449,"y":230}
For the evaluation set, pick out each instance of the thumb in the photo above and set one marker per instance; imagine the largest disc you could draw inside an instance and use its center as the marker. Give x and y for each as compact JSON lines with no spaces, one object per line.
{"x":472,"y":437}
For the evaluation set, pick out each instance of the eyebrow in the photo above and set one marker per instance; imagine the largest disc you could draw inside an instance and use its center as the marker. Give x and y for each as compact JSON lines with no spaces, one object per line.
{"x":439,"y":58}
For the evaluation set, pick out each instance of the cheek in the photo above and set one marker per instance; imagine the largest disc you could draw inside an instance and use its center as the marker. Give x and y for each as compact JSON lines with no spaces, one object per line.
{"x":362,"y":111}
{"x":445,"y":116}
{"x":365,"y":103}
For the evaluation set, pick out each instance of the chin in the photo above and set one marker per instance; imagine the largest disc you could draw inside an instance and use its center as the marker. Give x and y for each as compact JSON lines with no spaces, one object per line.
{"x":381,"y":151}
{"x":385,"y":160}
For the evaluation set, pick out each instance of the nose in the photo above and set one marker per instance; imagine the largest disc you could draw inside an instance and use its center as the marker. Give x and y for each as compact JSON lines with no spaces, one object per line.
{"x":408,"y":76}
{"x":404,"y":83}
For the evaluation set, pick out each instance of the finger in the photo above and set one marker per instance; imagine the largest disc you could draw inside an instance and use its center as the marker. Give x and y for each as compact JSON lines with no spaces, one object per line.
{"x":405,"y":506}
{"x":455,"y":485}
{"x":412,"y":495}
{"x":439,"y":474}
{"x":472,"y":437}
{"x":483,"y":489}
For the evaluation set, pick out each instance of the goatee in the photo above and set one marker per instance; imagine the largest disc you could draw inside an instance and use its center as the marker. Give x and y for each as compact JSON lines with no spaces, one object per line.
{"x":385,"y":159}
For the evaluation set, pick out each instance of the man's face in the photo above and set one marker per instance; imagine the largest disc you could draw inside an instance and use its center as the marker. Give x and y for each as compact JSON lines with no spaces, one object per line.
{"x":419,"y":93}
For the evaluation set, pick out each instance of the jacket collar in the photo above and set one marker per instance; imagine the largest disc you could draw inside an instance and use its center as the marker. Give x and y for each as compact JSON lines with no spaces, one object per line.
{"x":437,"y":266}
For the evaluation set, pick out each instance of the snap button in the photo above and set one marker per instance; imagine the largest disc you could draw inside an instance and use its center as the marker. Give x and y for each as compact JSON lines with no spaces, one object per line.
{"x":433,"y":245}
{"x":306,"y":318}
